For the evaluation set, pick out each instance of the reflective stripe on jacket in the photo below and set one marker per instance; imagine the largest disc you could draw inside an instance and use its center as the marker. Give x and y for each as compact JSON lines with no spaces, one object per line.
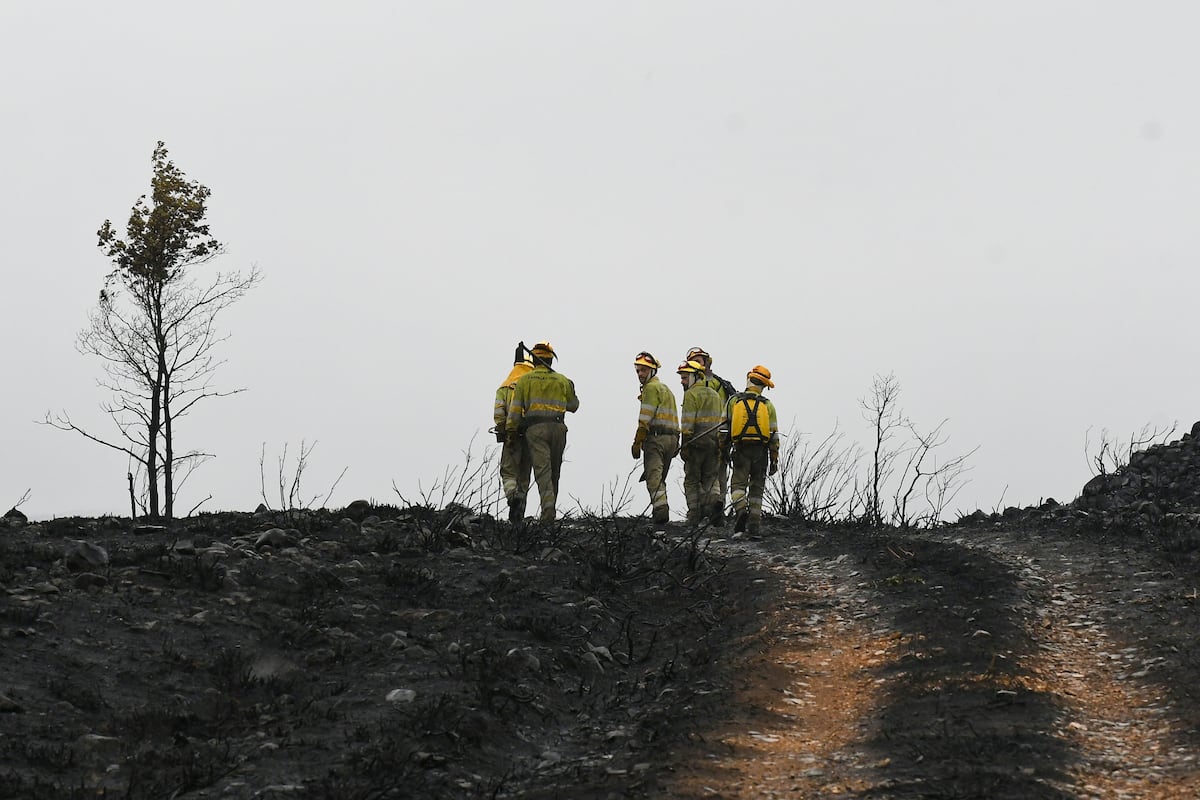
{"x":658,"y":413}
{"x":539,"y":395}
{"x":504,"y":394}
{"x":702,"y":413}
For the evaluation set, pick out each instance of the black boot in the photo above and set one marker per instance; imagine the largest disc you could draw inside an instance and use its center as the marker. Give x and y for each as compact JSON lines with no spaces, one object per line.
{"x":516,"y":509}
{"x":740,"y":526}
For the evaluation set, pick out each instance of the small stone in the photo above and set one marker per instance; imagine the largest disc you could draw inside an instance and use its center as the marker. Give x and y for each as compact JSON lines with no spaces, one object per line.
{"x":401,"y":696}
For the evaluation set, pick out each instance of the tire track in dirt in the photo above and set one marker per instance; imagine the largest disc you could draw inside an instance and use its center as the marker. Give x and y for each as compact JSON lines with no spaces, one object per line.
{"x":804,"y":702}
{"x":928,"y":666}
{"x":1120,"y":721}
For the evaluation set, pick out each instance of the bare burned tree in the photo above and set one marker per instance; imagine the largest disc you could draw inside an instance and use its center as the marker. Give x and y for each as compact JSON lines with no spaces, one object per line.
{"x":154,"y":328}
{"x":905,"y":459}
{"x":22,"y":500}
{"x":881,"y":411}
{"x":938,"y":482}
{"x":291,"y":497}
{"x":1109,"y":454}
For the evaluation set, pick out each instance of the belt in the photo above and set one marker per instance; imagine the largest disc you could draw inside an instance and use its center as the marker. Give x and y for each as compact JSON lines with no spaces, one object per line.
{"x":538,"y":420}
{"x":656,"y":431}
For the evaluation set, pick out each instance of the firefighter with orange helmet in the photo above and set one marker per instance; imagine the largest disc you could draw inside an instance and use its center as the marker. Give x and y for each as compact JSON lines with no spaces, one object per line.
{"x":754,"y":433}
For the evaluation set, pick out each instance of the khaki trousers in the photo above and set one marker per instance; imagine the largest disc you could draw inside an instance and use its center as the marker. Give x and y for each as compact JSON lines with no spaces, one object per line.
{"x":749,"y":480}
{"x":657,"y":452}
{"x":546,"y":442}
{"x":515,"y":468}
{"x":701,"y":478}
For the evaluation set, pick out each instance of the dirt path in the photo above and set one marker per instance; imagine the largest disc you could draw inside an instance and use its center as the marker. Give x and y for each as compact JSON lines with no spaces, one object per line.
{"x":983,"y":664}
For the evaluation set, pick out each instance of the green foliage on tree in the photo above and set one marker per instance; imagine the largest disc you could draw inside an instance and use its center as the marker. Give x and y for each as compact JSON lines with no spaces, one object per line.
{"x":164,"y":238}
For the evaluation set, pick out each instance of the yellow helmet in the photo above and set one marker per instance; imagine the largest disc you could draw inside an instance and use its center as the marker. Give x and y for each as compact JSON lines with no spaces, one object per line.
{"x":543,"y":350}
{"x":760,"y":374}
{"x":699,"y":354}
{"x":644,"y":359}
{"x":690,"y":366}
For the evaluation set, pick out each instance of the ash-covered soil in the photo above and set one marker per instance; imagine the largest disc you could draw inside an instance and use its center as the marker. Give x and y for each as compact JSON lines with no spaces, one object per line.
{"x":394,"y":653}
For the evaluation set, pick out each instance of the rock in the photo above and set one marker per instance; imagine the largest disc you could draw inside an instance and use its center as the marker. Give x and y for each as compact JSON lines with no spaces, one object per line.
{"x":95,"y":743}
{"x":275,"y":537}
{"x":401,"y":696}
{"x":601,"y":651}
{"x":523,"y":660}
{"x":359,"y":510}
{"x":592,"y":663}
{"x":10,"y":706}
{"x":1095,"y":486}
{"x":82,"y":555}
{"x":90,"y":580}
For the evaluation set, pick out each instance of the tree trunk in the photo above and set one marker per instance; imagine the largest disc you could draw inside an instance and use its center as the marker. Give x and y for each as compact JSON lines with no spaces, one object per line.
{"x":168,"y":444}
{"x":152,"y":443}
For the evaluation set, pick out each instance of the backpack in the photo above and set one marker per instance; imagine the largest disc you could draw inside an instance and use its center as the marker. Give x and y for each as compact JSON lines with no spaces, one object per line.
{"x":749,"y":418}
{"x":726,"y":387}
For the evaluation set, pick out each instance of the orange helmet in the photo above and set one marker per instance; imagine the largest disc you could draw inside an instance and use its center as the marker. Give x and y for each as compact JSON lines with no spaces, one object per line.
{"x":543,"y":350}
{"x":760,"y":374}
{"x":699,"y":354}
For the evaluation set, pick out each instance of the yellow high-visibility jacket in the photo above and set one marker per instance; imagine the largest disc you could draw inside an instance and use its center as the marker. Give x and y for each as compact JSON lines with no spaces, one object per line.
{"x":658,"y":415}
{"x":702,"y":412}
{"x":540,"y":395}
{"x":715,"y":383}
{"x":774,"y":420}
{"x":504,"y":394}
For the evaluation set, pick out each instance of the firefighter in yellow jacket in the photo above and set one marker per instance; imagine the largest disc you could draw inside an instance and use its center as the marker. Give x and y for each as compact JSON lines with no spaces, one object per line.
{"x":724,"y":390}
{"x":540,"y":400}
{"x":515,"y":464}
{"x":657,"y":435}
{"x":699,"y":419}
{"x":754,"y":433}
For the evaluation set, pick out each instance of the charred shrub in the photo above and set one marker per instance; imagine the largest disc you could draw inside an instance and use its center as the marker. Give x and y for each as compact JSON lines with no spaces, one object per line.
{"x":16,"y":554}
{"x":403,"y":755}
{"x":200,"y":571}
{"x":230,"y":671}
{"x":180,"y":766}
{"x":414,"y":585}
{"x":525,"y":537}
{"x":82,"y":696}
{"x":19,"y":614}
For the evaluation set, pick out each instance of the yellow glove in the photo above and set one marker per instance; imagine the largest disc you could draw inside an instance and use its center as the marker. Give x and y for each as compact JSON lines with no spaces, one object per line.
{"x":638,"y":438}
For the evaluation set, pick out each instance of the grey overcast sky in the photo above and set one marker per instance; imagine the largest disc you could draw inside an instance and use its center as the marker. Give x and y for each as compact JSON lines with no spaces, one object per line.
{"x":997,"y":202}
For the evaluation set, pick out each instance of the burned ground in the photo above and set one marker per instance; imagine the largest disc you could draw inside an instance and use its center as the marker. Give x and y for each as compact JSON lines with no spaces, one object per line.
{"x":383,"y":652}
